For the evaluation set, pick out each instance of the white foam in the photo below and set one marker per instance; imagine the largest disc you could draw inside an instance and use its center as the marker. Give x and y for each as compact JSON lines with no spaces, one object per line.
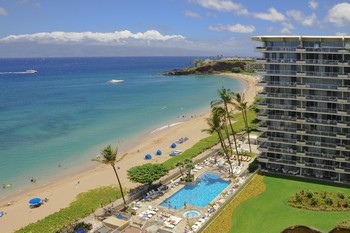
{"x":165,"y":127}
{"x":115,"y":81}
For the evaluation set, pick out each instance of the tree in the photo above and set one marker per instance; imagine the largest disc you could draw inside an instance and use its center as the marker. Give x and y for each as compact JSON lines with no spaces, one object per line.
{"x":242,"y":105}
{"x":215,"y":126}
{"x":180,"y":165}
{"x":146,"y":173}
{"x":109,"y":156}
{"x":226,"y":100}
{"x":236,"y":70}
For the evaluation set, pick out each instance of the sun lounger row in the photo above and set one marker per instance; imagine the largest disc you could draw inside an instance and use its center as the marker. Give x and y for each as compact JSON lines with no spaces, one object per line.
{"x":155,"y":193}
{"x":172,"y":221}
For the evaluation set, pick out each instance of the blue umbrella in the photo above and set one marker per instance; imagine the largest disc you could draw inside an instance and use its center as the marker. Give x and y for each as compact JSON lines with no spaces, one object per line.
{"x":34,"y":201}
{"x":159,"y":152}
{"x":80,"y":230}
{"x":119,"y":216}
{"x":173,"y":145}
{"x":1,"y":213}
{"x":148,"y":156}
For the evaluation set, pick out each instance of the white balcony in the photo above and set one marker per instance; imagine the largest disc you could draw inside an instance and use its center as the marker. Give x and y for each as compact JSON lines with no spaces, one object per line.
{"x":301,"y":73}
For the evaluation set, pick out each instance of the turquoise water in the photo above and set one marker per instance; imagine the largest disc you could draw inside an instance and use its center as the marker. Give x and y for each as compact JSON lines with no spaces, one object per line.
{"x":200,"y":194}
{"x":68,"y":111}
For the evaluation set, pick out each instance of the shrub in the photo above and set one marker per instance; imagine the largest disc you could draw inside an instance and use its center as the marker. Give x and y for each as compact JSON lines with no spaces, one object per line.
{"x":314,"y":201}
{"x":253,"y":166}
{"x":341,"y":195}
{"x":236,"y":70}
{"x":309,"y":194}
{"x":298,"y":198}
{"x":328,"y":201}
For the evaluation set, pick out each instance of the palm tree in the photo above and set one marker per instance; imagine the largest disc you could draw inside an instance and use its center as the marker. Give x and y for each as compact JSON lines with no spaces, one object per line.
{"x":109,"y":155}
{"x":215,"y":126}
{"x":242,"y":105}
{"x":220,"y":111}
{"x":225,"y":100}
{"x":180,"y":165}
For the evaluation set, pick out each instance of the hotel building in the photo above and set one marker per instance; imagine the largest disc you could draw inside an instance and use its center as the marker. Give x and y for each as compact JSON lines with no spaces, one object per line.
{"x":305,"y":106}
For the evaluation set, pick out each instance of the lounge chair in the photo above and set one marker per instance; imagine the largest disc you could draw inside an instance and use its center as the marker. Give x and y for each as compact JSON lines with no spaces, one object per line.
{"x":153,"y":208}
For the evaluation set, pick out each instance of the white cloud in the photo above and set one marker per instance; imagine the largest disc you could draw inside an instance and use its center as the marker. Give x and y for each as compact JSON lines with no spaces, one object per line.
{"x":192,"y":14}
{"x":287,"y":27}
{"x":304,"y":20}
{"x":223,"y":6}
{"x":313,"y":4}
{"x":117,"y":37}
{"x":340,"y":34}
{"x":272,"y":15}
{"x":339,"y":14}
{"x":3,"y":12}
{"x":233,"y":28}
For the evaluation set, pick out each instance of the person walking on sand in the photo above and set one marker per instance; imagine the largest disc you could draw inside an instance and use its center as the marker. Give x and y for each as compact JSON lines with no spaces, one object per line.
{"x":185,"y":204}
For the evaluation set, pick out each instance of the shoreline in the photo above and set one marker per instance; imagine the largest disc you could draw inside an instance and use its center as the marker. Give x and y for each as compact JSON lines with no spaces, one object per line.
{"x":102,"y":175}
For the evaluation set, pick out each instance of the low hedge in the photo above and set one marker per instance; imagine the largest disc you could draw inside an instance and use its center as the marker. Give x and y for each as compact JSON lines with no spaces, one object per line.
{"x":85,"y":204}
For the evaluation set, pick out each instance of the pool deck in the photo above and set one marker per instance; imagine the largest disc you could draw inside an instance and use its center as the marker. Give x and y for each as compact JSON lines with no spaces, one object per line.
{"x":151,"y":217}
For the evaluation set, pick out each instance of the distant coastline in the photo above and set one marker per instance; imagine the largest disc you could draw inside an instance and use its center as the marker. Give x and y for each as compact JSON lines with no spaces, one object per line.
{"x":227,"y":65}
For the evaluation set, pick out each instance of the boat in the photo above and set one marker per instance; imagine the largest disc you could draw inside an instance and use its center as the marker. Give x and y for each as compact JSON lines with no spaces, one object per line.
{"x":31,"y":71}
{"x":6,"y":186}
{"x":115,"y":81}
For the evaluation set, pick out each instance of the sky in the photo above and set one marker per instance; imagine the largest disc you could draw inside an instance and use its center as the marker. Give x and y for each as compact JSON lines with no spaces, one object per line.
{"x":44,"y":28}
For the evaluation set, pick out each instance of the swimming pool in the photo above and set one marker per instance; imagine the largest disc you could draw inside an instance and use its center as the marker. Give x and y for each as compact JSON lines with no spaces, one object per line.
{"x":200,"y":194}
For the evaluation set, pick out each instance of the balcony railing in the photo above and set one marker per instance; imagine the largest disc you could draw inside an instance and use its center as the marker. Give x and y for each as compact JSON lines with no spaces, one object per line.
{"x":323,"y":144}
{"x":321,"y":74}
{"x":282,"y":117}
{"x":321,"y":62}
{"x":320,"y":97}
{"x":322,"y":86}
{"x":317,"y":109}
{"x":280,"y":48}
{"x":281,"y":60}
{"x":282,"y":106}
{"x":321,"y":121}
{"x":281,"y":95}
{"x":321,"y":133}
{"x":320,"y":155}
{"x":279,"y":139}
{"x":327,"y":50}
{"x":282,"y":84}
{"x":322,"y":166}
{"x":287,"y":129}
{"x":281,"y":150}
{"x":283,"y":72}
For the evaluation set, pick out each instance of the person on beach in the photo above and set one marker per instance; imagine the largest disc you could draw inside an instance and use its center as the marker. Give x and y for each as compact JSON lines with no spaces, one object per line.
{"x":185,"y":204}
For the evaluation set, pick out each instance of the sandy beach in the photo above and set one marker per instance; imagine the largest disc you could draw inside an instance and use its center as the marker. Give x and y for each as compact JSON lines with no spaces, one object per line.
{"x":63,"y":191}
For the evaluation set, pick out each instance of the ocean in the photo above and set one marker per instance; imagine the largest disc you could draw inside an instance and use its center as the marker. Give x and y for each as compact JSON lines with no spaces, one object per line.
{"x":62,"y":116}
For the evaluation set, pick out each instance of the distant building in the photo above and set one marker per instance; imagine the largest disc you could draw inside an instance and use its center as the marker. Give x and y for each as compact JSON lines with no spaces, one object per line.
{"x":305,"y":110}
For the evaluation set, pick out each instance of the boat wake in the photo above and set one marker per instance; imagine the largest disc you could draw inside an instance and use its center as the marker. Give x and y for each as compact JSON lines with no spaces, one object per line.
{"x":20,"y":72}
{"x":115,"y":81}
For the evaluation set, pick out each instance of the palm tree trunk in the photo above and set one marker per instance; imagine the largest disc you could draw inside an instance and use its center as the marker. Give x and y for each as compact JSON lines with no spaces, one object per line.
{"x":120,"y":185}
{"x":245,"y":118}
{"x":228,"y":135}
{"x":227,"y":155}
{"x":233,"y":134}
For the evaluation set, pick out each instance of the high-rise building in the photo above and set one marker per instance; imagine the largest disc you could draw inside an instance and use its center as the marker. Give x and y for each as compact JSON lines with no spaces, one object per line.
{"x":305,"y":106}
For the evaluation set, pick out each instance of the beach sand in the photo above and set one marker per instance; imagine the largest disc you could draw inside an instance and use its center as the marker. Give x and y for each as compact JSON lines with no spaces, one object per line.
{"x":62,"y":192}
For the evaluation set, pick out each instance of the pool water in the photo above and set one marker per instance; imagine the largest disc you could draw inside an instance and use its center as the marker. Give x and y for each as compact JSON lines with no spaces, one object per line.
{"x":191,"y":214}
{"x":200,"y":193}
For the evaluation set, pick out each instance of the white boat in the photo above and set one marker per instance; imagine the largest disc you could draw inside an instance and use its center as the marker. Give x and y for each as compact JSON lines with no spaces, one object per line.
{"x":115,"y":81}
{"x":31,"y":71}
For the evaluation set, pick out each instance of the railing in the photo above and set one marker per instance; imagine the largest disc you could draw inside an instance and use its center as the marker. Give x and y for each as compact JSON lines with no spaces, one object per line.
{"x":281,"y":117}
{"x":316,"y":109}
{"x":319,"y":97}
{"x":321,"y":121}
{"x":281,"y":60}
{"x":322,"y":133}
{"x":281,"y":160}
{"x":323,"y":62}
{"x":285,"y":72}
{"x":283,"y":106}
{"x":322,"y":74}
{"x":323,"y":144}
{"x":282,"y":128}
{"x":282,"y":139}
{"x":319,"y":166}
{"x":320,"y":155}
{"x":281,"y":150}
{"x":281,"y":95}
{"x":284,"y":84}
{"x":281,"y":48}
{"x":333,"y":50}
{"x":322,"y":86}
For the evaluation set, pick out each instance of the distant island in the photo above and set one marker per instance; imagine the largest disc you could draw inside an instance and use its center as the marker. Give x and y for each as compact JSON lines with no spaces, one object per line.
{"x":223,"y":65}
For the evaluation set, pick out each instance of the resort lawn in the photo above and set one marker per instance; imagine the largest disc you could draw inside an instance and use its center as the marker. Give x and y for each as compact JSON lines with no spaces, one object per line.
{"x":270,"y":213}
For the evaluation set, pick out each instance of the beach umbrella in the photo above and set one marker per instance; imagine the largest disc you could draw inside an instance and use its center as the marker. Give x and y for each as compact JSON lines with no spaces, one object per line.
{"x":1,"y":213}
{"x":80,"y":230}
{"x":173,"y":145}
{"x":159,"y":152}
{"x":119,"y":216}
{"x":172,"y":153}
{"x":34,"y":201}
{"x":148,"y":156}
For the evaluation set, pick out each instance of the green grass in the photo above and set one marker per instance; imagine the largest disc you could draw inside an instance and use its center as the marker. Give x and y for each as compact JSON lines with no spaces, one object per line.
{"x":210,"y":141}
{"x":84,"y":205}
{"x":270,"y":212}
